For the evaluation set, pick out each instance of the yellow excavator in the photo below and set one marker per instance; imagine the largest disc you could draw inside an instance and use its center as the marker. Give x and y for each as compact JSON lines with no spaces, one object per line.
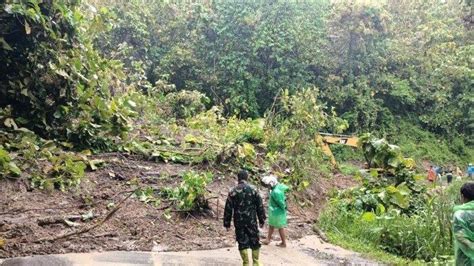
{"x":324,"y":139}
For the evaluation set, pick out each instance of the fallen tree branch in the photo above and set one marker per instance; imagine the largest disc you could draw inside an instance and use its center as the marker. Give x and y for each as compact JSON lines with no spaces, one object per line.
{"x":107,"y":234}
{"x":165,"y":207}
{"x":87,"y":229}
{"x":21,"y":210}
{"x":60,"y":219}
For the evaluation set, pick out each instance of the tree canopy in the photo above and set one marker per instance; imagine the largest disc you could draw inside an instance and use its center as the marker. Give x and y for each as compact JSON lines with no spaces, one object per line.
{"x":375,"y":63}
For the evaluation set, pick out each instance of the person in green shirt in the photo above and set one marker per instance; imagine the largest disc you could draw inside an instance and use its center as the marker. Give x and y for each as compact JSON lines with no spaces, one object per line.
{"x":276,"y":209}
{"x":463,"y":227}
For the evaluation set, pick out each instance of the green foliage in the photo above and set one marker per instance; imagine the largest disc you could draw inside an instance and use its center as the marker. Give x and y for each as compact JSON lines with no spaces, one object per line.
{"x":380,"y":154}
{"x":44,"y":163}
{"x":391,"y":210}
{"x":423,"y":145}
{"x":7,"y":166}
{"x":66,"y":172}
{"x":344,"y":153}
{"x":368,"y":249}
{"x":391,"y":182}
{"x":349,"y":169}
{"x":291,"y":135}
{"x":54,"y":81}
{"x":427,"y":230}
{"x":228,"y":141}
{"x":190,"y":195}
{"x":373,"y":62}
{"x":228,"y":130}
{"x":184,"y":104}
{"x":255,"y":48}
{"x":147,"y":195}
{"x":159,"y":150}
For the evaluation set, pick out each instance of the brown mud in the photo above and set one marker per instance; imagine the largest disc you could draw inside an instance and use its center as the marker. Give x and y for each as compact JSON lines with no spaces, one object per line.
{"x":30,"y":217}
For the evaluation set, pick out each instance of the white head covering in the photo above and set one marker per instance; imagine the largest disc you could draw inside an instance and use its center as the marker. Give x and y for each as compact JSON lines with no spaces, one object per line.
{"x":270,"y":180}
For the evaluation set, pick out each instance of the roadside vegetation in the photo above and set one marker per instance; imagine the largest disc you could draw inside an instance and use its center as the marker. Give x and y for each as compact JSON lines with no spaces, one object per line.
{"x":393,"y":210}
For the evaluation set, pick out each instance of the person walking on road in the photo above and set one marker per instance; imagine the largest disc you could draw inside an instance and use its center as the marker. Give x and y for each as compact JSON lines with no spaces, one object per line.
{"x":277,"y":209}
{"x":245,"y":205}
{"x":463,"y":227}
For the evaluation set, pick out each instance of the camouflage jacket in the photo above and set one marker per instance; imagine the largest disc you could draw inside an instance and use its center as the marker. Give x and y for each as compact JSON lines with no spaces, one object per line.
{"x":245,"y":204}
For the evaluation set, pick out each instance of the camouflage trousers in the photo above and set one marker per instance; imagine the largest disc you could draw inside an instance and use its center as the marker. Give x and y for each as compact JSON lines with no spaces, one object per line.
{"x":247,"y":237}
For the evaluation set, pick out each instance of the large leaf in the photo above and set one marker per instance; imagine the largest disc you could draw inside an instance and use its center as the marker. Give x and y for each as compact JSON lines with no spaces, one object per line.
{"x":368,"y":217}
{"x":5,"y":45}
{"x":14,"y":169}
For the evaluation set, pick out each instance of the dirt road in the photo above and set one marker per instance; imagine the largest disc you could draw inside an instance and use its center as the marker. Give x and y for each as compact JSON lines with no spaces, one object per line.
{"x":309,"y":250}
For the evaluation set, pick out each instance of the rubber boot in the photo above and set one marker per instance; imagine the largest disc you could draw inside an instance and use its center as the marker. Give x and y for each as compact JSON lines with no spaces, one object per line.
{"x":255,"y":257}
{"x":244,"y":254}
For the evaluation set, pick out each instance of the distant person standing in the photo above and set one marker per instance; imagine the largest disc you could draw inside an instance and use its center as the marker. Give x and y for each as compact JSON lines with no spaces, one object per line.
{"x":470,"y":171}
{"x":245,"y":205}
{"x":449,"y":176}
{"x":438,"y":170}
{"x":431,"y":174}
{"x":463,"y":227}
{"x":277,"y":209}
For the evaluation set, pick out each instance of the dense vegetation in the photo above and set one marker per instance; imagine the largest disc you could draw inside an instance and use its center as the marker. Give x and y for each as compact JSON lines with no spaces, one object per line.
{"x":246,"y":84}
{"x":374,"y":63}
{"x":392,"y":210}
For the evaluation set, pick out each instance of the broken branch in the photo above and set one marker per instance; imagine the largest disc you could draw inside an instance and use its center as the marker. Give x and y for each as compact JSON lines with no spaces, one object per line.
{"x":87,"y":229}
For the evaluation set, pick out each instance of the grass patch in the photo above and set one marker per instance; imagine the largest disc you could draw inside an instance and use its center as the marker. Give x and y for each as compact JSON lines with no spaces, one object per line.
{"x":348,"y":169}
{"x":367,"y":249}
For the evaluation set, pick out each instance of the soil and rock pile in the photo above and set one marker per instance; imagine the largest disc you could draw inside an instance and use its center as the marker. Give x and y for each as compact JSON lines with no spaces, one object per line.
{"x":31,"y":220}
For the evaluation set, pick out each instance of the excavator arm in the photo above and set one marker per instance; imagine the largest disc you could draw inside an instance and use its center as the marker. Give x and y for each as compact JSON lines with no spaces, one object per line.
{"x":324,"y":139}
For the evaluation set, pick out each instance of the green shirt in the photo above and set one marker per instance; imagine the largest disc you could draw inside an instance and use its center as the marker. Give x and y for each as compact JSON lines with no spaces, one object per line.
{"x":463,"y":230}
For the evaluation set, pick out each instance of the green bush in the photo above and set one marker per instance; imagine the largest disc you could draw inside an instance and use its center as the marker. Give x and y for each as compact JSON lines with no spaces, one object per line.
{"x":344,"y":153}
{"x":349,"y":169}
{"x":184,"y":104}
{"x":190,"y":195}
{"x":424,"y":234}
{"x":290,"y":136}
{"x":228,"y":130}
{"x":7,"y":166}
{"x":44,"y":162}
{"x":53,"y":80}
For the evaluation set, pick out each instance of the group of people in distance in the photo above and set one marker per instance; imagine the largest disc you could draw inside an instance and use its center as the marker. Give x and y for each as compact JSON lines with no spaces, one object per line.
{"x":245,"y":206}
{"x":437,"y":173}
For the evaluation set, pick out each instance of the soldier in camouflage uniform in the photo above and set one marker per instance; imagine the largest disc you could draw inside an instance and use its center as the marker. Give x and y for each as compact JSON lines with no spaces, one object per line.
{"x":245,"y":204}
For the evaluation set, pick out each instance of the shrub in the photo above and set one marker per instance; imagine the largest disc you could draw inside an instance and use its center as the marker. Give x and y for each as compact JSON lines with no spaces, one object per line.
{"x":184,"y":104}
{"x":291,"y":132}
{"x":53,"y":79}
{"x":190,"y":195}
{"x":66,"y":171}
{"x":7,"y":166}
{"x":228,"y":130}
{"x":424,"y":235}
